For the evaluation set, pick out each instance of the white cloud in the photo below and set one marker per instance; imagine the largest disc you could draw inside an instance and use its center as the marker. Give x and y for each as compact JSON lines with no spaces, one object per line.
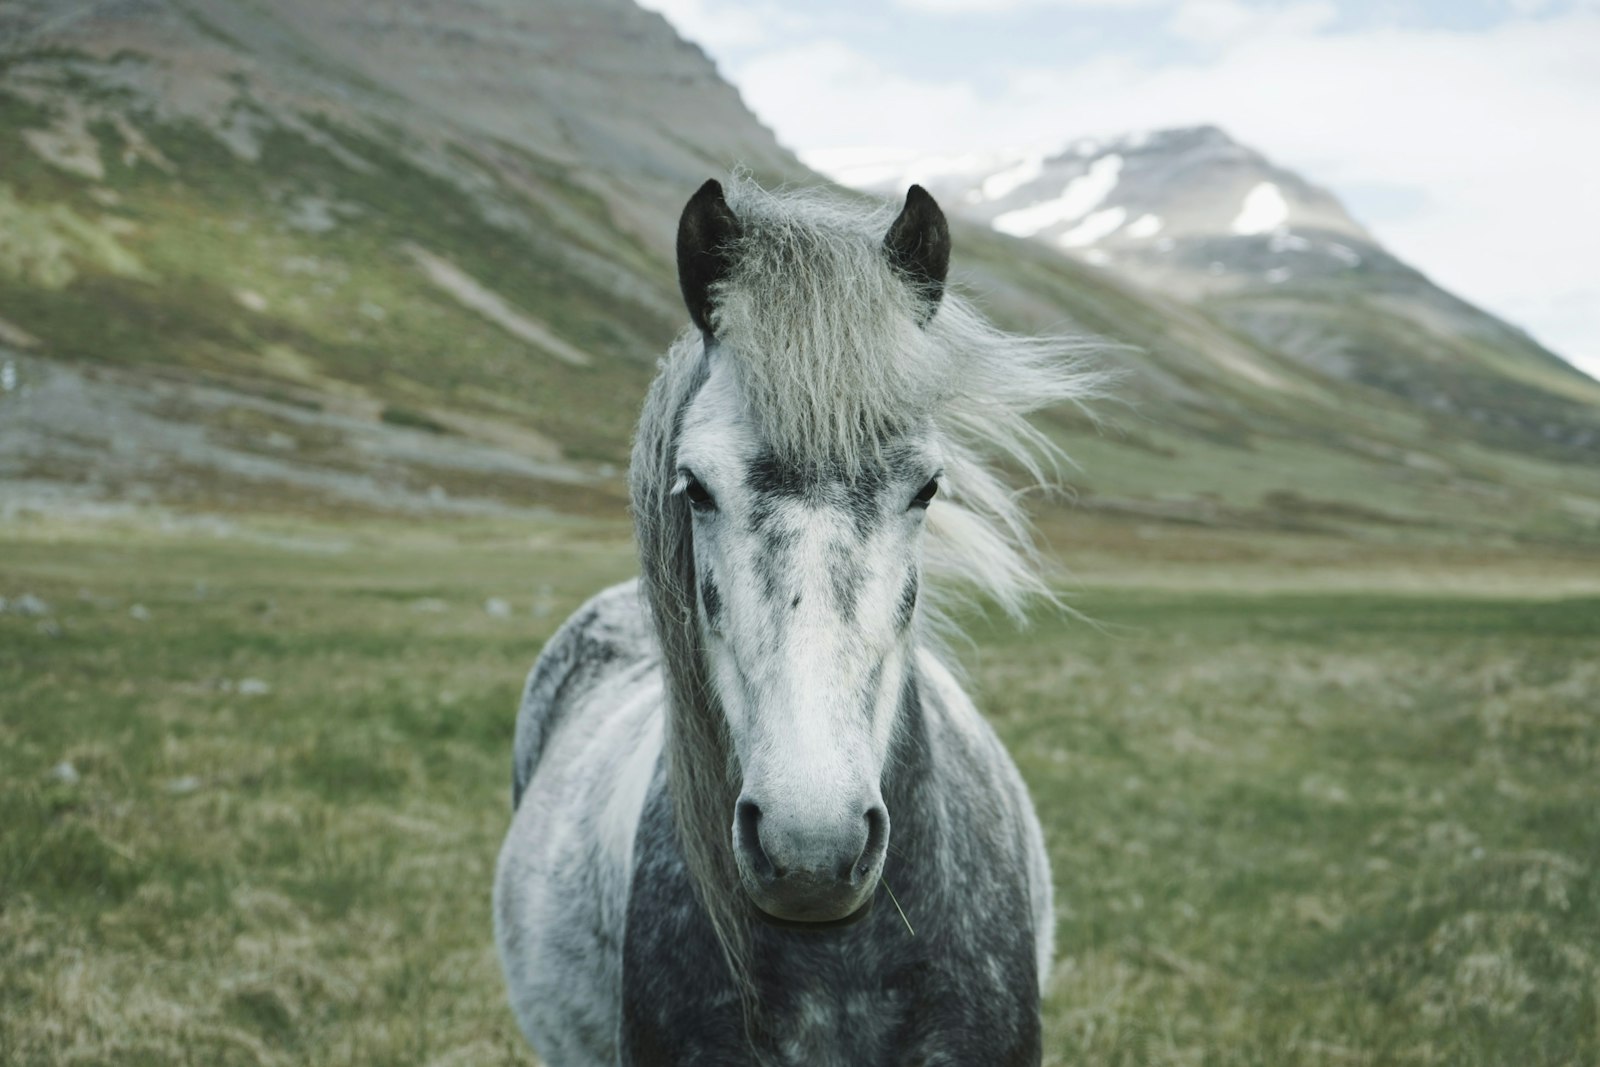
{"x":1218,"y":22}
{"x":824,"y":94}
{"x":963,"y":7}
{"x":719,"y":24}
{"x":1492,"y":130}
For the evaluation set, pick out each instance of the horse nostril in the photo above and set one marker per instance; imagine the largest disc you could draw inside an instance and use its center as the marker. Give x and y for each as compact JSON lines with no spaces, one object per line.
{"x":877,"y":841}
{"x":747,"y":821}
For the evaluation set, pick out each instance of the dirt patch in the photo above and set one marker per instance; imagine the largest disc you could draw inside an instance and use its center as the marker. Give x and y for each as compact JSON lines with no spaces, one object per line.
{"x":472,"y":295}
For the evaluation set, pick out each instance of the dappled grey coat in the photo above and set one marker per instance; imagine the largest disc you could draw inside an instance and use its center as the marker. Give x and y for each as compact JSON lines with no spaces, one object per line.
{"x":696,"y":751}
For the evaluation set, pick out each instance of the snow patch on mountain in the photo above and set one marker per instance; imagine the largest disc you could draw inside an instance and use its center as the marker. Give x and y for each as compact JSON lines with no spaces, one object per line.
{"x":1097,"y":226}
{"x":1012,"y":178}
{"x":1080,"y":196}
{"x":1145,"y":226}
{"x":1263,"y":211}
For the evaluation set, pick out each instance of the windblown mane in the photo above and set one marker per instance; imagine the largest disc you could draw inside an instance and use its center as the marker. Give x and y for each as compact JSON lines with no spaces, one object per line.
{"x":824,"y":336}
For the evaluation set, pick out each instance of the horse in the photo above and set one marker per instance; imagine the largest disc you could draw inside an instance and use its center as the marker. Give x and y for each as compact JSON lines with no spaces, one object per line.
{"x":756,"y":819}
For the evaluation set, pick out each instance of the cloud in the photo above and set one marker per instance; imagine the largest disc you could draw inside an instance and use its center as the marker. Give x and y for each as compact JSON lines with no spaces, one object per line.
{"x":1487,"y":133}
{"x":964,"y":7}
{"x":720,"y":24}
{"x":825,"y":94}
{"x":1216,"y":22}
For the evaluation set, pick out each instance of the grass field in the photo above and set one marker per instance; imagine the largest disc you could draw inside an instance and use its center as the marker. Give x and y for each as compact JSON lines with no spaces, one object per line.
{"x":253,"y":777}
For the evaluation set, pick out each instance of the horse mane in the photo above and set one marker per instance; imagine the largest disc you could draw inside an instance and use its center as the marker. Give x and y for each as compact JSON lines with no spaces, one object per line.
{"x":823,"y":335}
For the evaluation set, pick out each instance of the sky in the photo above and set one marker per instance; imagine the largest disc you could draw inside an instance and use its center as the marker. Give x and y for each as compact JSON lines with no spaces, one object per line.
{"x":1464,"y":133}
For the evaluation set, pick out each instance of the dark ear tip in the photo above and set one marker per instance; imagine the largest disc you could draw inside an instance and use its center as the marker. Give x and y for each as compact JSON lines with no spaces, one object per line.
{"x":704,"y":231}
{"x":918,"y":244}
{"x":922,"y":202}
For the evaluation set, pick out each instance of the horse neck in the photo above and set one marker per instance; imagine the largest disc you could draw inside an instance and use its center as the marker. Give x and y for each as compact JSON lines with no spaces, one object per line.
{"x":908,"y":782}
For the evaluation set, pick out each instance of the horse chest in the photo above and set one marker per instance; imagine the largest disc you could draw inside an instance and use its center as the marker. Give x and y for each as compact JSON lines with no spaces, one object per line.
{"x":871,"y":994}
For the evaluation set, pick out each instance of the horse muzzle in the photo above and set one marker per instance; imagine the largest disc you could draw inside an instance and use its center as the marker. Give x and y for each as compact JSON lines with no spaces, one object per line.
{"x":809,"y":872}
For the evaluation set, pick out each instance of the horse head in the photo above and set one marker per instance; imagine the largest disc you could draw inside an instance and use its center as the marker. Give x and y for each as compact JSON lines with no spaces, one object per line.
{"x":829,"y":435}
{"x":807,"y":550}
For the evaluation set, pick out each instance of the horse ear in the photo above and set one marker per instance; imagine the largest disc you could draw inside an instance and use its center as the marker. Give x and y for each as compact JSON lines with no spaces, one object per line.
{"x":705,"y":233}
{"x":918,"y":246}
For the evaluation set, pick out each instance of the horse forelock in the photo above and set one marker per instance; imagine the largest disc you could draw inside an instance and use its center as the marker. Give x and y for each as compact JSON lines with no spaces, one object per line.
{"x":835,"y":356}
{"x":820,"y":330}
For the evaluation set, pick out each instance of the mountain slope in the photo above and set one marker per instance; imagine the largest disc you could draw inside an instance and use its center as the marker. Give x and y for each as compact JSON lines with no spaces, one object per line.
{"x":1194,"y":214}
{"x":399,"y":213}
{"x":405,"y":256}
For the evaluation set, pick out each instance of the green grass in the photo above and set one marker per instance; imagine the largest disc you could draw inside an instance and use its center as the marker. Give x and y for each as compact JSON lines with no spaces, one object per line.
{"x":1289,"y":825}
{"x":1316,"y":828}
{"x":296,"y":876}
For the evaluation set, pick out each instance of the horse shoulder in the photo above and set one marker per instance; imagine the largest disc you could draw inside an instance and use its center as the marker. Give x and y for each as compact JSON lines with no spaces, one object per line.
{"x":964,"y":725}
{"x":610,"y":628}
{"x":588,"y":741}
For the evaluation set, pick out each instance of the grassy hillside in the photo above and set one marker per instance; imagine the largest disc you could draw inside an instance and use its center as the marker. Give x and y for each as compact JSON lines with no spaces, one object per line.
{"x":253,"y":779}
{"x":300,"y":272}
{"x":1208,"y":426}
{"x":1395,"y":334}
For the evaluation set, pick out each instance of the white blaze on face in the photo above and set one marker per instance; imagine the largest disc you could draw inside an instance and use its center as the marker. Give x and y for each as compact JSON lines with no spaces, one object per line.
{"x":808,"y":585}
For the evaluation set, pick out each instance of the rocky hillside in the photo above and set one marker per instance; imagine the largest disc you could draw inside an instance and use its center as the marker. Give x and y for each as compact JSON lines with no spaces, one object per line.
{"x":407,"y":255}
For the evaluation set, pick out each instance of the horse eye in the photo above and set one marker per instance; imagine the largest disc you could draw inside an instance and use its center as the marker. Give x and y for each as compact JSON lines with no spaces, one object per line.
{"x":699,"y":498}
{"x":925,"y":494}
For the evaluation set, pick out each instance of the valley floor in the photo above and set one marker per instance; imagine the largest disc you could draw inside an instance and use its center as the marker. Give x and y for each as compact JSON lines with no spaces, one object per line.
{"x":1309,"y":802}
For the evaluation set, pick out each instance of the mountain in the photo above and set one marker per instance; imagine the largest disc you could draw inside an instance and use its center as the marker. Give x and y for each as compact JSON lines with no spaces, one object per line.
{"x":1153,"y":204}
{"x":1193,"y":214}
{"x":404,"y":256}
{"x":444,"y":217}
